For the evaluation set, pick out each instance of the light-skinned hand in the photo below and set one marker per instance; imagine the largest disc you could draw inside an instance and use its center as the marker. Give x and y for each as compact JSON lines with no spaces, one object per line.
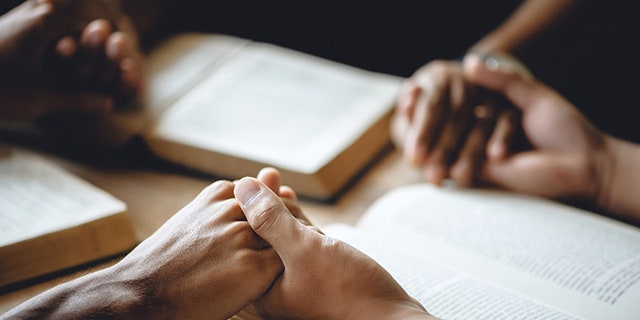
{"x":568,"y":157}
{"x":566,"y":152}
{"x":206,"y":260}
{"x":447,"y":126}
{"x":323,"y":278}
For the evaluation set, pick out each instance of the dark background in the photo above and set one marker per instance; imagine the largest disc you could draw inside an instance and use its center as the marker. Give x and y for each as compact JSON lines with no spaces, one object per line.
{"x":592,"y":59}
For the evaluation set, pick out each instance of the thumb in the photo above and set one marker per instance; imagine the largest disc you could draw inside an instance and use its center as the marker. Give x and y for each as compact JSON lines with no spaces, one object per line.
{"x":270,"y":218}
{"x":506,"y":75}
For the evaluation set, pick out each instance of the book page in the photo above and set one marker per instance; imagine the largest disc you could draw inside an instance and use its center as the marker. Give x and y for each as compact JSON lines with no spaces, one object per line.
{"x":575,"y":260}
{"x":277,"y":106}
{"x":445,"y":292}
{"x":38,"y":197}
{"x":181,"y":62}
{"x":174,"y":67}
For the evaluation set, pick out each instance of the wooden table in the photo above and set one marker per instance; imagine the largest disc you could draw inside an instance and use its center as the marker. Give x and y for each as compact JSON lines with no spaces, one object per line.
{"x":153,"y":196}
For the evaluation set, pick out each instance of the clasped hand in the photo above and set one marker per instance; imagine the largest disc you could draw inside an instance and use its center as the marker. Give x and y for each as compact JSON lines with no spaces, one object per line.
{"x":77,"y":55}
{"x":235,"y":244}
{"x":488,"y":120}
{"x":447,"y":125}
{"x":248,"y":241}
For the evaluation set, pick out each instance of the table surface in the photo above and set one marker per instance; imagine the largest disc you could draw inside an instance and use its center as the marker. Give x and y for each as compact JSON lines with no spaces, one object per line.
{"x":154,"y":195}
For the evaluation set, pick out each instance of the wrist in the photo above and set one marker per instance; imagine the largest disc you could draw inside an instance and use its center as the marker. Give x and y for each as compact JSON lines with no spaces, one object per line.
{"x":594,"y":187}
{"x":97,"y":295}
{"x":618,"y":177}
{"x":105,"y":292}
{"x":140,"y":293}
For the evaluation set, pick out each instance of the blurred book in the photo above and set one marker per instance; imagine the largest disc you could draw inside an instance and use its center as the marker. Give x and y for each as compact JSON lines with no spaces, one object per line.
{"x":52,"y":219}
{"x":230,"y":106}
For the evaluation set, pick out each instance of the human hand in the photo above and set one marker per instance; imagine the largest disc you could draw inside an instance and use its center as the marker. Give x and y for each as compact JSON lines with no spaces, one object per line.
{"x":106,"y":56}
{"x":567,"y":153}
{"x":105,"y":53}
{"x":24,"y":41}
{"x":448,"y":126}
{"x":70,"y":44}
{"x":204,"y":262}
{"x":323,"y":278}
{"x":272,"y":178}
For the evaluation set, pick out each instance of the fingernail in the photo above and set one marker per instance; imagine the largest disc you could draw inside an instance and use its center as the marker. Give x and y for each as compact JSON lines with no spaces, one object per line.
{"x":505,"y":63}
{"x":66,"y":47}
{"x":97,"y":32}
{"x":491,"y":63}
{"x":246,"y":190}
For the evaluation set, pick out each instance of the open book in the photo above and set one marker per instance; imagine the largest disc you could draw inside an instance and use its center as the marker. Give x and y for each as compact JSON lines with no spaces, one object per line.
{"x":230,"y":106}
{"x":52,"y":220}
{"x":481,"y":254}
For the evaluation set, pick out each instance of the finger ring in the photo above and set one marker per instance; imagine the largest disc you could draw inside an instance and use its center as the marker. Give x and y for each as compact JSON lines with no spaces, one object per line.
{"x":484,"y":112}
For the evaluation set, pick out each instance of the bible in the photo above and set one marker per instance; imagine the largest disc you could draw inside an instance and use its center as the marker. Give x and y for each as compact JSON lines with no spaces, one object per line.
{"x":52,"y":219}
{"x":230,"y":106}
{"x":487,"y":254}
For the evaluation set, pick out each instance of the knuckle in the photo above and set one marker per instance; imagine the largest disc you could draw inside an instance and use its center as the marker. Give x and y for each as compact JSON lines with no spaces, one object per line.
{"x":253,"y":260}
{"x":239,"y":229}
{"x":247,"y":258}
{"x":266,"y":214}
{"x":243,"y":234}
{"x":218,"y":189}
{"x":226,"y":210}
{"x":443,"y":68}
{"x":257,"y":266}
{"x":439,"y":66}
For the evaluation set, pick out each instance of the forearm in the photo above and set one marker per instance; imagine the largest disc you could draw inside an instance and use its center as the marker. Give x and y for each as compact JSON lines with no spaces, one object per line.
{"x":533,"y":19}
{"x":97,"y":295}
{"x":619,"y":192}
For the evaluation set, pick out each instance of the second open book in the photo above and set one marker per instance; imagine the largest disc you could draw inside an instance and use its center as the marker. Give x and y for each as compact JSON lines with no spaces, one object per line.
{"x":51,"y":219}
{"x":479,"y":254}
